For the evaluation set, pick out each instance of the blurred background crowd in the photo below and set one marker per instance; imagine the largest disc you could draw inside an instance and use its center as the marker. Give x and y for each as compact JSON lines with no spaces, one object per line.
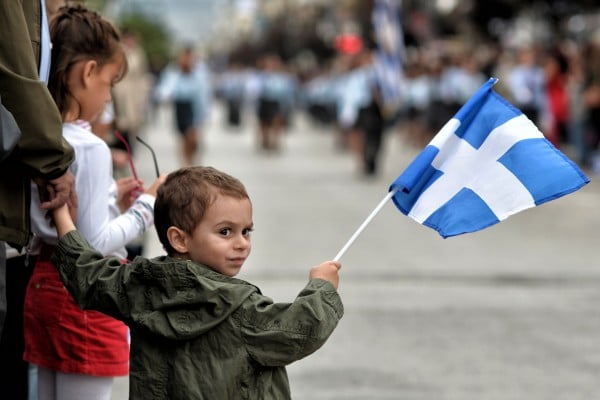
{"x":273,"y":59}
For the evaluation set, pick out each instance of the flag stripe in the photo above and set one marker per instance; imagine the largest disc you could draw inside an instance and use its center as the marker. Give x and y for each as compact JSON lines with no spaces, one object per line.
{"x":545,"y":182}
{"x":415,"y":171}
{"x":476,"y":215}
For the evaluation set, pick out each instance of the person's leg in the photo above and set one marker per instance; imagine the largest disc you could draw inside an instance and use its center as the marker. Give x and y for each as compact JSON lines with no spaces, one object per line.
{"x":264,"y":135}
{"x":15,"y":371}
{"x":263,"y":123}
{"x":357,"y":138}
{"x":190,"y":145}
{"x":356,"y":144}
{"x":77,"y":387}
{"x":2,"y":285}
{"x":46,"y":384}
{"x":33,"y":382}
{"x":373,"y":130}
{"x":184,"y":115}
{"x":276,"y":131}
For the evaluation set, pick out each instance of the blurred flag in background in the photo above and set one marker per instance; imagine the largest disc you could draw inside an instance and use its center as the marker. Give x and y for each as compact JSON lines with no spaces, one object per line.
{"x":389,"y":53}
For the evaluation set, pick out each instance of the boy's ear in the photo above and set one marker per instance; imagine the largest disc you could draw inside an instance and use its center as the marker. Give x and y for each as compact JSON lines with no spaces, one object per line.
{"x":178,"y":239}
{"x":89,"y":69}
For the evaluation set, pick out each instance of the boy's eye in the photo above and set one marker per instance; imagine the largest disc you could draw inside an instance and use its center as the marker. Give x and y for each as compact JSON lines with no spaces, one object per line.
{"x":225,"y":231}
{"x":247,"y":231}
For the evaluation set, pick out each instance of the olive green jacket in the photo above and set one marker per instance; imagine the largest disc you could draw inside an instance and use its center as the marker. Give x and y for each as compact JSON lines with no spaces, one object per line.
{"x":42,"y":151}
{"x":197,"y":334}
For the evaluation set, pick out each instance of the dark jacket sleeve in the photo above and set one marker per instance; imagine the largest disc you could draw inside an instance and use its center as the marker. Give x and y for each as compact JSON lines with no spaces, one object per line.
{"x":42,"y":148}
{"x":277,"y":334}
{"x":95,"y":282}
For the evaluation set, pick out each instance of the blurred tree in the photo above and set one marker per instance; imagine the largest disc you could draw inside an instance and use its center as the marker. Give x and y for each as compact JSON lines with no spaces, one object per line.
{"x":98,"y":5}
{"x":154,"y":37}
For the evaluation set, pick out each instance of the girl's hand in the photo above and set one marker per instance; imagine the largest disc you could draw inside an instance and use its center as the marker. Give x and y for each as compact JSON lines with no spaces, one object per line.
{"x":128,"y":189}
{"x":152,"y":189}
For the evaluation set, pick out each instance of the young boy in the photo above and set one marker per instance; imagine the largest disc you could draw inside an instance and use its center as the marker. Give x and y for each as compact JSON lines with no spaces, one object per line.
{"x":196,"y":331}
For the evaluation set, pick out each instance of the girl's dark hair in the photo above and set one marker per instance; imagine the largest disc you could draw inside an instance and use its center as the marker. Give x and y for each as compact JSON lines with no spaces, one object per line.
{"x":79,"y":34}
{"x":185,"y":196}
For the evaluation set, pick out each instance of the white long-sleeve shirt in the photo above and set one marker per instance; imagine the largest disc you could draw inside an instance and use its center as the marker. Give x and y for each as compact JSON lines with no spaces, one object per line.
{"x":98,"y":217}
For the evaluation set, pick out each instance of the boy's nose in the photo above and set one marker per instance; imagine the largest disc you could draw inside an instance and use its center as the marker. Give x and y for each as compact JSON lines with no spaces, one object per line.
{"x":242,"y":242}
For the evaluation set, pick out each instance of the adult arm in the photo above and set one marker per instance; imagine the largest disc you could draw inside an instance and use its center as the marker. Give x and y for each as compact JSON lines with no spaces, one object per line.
{"x":41,"y":148}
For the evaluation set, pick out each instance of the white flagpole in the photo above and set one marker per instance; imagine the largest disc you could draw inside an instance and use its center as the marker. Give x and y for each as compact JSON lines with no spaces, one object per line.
{"x":364,"y":224}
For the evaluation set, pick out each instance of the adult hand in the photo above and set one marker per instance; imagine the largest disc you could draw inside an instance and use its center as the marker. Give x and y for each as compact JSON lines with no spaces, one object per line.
{"x":63,"y":192}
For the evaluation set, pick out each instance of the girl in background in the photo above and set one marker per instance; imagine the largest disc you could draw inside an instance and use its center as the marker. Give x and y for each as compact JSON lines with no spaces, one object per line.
{"x":186,"y":84}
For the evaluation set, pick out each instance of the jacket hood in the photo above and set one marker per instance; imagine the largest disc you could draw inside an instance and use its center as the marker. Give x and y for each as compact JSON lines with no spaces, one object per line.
{"x":182,"y":299}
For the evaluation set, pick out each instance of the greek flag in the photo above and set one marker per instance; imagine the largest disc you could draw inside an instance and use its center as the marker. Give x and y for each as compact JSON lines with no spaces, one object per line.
{"x":485,"y":164}
{"x":388,"y":56}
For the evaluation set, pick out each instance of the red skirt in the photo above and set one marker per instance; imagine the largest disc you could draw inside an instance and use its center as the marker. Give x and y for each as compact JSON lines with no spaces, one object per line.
{"x":60,"y":336}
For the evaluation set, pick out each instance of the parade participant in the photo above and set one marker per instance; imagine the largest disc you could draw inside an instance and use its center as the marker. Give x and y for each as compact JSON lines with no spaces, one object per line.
{"x":186,"y":84}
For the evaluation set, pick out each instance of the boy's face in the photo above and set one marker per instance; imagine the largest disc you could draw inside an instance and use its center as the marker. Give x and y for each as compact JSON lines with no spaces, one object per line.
{"x":222,"y":239}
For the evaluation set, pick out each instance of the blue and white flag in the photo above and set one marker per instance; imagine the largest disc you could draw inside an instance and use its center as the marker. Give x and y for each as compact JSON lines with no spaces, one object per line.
{"x":485,"y":164}
{"x":388,"y":57}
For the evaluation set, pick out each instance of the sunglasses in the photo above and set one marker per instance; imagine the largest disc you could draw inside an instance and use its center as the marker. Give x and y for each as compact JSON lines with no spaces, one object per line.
{"x":130,"y":155}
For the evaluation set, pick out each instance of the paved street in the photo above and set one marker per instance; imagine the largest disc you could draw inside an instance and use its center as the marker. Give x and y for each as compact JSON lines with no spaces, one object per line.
{"x":511,"y":312}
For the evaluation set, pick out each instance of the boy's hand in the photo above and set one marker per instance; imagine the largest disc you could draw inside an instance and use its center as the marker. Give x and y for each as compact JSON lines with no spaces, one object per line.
{"x":62,"y":220}
{"x":327,"y":271}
